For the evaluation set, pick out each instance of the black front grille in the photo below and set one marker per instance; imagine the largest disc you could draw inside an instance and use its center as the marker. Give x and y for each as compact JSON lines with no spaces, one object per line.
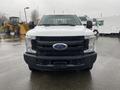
{"x":44,"y":46}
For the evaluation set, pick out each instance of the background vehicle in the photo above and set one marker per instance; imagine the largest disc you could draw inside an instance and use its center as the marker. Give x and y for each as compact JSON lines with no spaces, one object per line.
{"x":60,"y":42}
{"x":97,"y":23}
{"x":111,"y":25}
{"x":14,"y":27}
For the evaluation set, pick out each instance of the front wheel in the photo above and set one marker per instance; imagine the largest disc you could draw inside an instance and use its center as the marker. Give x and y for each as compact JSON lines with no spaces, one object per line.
{"x":96,"y":32}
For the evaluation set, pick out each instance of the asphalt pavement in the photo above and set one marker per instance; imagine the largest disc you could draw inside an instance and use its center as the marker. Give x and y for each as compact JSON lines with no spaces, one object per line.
{"x":105,"y":75}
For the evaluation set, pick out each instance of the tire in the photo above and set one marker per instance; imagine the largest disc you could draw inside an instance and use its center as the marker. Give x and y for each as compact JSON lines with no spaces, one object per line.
{"x":96,"y":32}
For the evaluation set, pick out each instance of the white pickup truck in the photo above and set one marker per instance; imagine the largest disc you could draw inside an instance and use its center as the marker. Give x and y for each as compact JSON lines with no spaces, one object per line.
{"x":60,"y":42}
{"x":97,"y":23}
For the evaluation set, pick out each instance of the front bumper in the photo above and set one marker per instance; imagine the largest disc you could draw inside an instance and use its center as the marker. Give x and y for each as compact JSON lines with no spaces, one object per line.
{"x":60,"y":62}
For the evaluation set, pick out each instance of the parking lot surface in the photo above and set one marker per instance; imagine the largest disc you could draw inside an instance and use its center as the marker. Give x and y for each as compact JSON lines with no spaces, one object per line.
{"x":15,"y":75}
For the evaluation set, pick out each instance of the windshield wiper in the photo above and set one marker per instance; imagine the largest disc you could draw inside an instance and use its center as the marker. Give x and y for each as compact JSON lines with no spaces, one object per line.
{"x":57,"y":25}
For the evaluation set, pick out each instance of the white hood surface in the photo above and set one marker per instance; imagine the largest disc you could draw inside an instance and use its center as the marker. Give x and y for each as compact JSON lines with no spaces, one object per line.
{"x":60,"y":31}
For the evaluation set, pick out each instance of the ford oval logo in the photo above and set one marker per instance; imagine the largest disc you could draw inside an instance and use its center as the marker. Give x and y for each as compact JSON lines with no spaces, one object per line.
{"x":60,"y":46}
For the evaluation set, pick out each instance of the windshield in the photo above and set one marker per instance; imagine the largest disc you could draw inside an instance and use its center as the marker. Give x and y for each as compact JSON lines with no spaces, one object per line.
{"x":60,"y":20}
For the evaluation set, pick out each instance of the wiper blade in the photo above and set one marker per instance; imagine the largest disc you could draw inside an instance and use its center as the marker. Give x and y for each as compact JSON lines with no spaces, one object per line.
{"x":57,"y":25}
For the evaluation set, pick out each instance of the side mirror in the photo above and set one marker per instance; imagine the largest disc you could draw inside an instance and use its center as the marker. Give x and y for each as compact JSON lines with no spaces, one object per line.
{"x":89,"y":25}
{"x":84,"y":24}
{"x":31,"y":25}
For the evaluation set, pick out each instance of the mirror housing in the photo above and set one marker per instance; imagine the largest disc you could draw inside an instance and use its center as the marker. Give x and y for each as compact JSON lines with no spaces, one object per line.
{"x":31,"y":25}
{"x":84,"y":25}
{"x":89,"y":24}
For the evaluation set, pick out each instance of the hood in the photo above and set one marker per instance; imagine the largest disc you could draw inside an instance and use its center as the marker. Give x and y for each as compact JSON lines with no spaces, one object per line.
{"x":59,"y":31}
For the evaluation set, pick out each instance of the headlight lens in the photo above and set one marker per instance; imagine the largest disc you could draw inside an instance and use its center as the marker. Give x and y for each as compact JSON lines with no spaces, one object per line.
{"x":91,"y":45}
{"x":28,"y":42}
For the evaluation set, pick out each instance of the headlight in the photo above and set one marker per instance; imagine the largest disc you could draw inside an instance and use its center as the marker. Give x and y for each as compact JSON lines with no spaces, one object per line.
{"x":91,"y":45}
{"x":28,"y":42}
